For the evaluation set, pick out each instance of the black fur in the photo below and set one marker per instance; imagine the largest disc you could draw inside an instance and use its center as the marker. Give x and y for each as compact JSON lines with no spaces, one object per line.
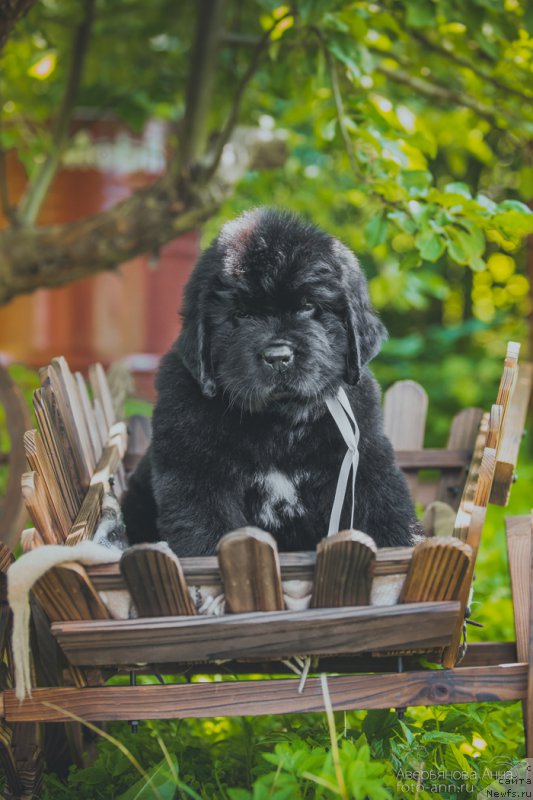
{"x":232,"y":435}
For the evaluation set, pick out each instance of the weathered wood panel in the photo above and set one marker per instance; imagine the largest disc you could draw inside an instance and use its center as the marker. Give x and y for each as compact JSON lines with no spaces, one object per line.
{"x":512,"y":434}
{"x":266,"y":635}
{"x":154,"y":577}
{"x":250,"y":570}
{"x":294,"y":566}
{"x":65,"y":592}
{"x":405,"y":408}
{"x":463,"y":434}
{"x":518,"y":531}
{"x":265,"y":697}
{"x":437,"y":570}
{"x":343,"y":572}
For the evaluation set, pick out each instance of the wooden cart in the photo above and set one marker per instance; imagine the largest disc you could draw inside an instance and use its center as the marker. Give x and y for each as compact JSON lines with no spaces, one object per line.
{"x":368,"y":617}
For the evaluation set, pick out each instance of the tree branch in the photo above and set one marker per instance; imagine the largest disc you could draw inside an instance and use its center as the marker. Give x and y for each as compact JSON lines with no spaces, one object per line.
{"x":339,"y":107}
{"x":11,"y":11}
{"x":200,"y":84}
{"x":435,"y":91}
{"x":39,"y":184}
{"x":466,"y":64}
{"x":233,"y":116}
{"x":5,"y":205}
{"x":35,"y":257}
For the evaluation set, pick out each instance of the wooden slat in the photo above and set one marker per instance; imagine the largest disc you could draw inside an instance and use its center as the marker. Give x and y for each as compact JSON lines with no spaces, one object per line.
{"x":485,"y":477}
{"x":434,"y":458}
{"x":66,"y":593}
{"x":294,"y":566}
{"x":90,"y":418}
{"x":66,"y":391}
{"x":495,"y":427}
{"x":100,"y":387}
{"x":103,"y":428}
{"x":6,"y":557}
{"x":153,"y":575}
{"x":437,"y":570}
{"x":463,"y":434}
{"x":86,"y":522}
{"x":343,"y":572}
{"x":58,"y":449}
{"x":405,"y":408}
{"x":30,"y":539}
{"x":71,"y":438}
{"x":39,"y":461}
{"x":265,"y":697}
{"x":518,"y":530}
{"x":37,"y":502}
{"x":250,"y":570}
{"x":509,"y":376}
{"x":511,"y":437}
{"x":266,"y":635}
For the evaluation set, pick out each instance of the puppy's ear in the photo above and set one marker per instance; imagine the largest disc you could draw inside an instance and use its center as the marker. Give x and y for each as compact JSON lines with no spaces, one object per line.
{"x":366,"y":332}
{"x":194,"y":343}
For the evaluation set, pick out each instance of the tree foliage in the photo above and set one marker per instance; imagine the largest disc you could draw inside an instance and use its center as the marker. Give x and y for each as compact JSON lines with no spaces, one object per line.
{"x":407,"y":126}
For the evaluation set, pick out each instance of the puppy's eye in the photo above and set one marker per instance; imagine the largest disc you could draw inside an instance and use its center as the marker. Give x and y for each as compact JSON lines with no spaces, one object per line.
{"x":242,"y":315}
{"x":307,"y":308}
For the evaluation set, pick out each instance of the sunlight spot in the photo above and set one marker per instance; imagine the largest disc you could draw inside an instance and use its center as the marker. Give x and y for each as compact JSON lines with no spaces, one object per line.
{"x":44,"y":67}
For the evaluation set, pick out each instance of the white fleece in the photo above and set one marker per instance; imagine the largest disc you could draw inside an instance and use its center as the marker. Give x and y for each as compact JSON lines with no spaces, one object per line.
{"x":20,"y":578}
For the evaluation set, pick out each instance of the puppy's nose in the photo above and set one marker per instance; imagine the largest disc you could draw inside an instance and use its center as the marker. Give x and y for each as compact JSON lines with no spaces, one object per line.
{"x":278,"y":356}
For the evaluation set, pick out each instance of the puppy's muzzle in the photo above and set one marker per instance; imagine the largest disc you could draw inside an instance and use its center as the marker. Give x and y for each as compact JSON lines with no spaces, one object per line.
{"x":278,"y":356}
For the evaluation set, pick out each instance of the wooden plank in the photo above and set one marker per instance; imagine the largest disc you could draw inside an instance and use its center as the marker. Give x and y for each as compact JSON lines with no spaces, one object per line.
{"x":518,"y":530}
{"x":511,"y":437}
{"x":250,"y":570}
{"x":267,"y":635}
{"x":294,"y":566}
{"x":463,"y":434}
{"x":39,"y":461}
{"x":90,"y":418}
{"x":265,"y":697}
{"x":37,"y":502}
{"x":484,"y":654}
{"x":71,"y":439}
{"x":509,"y":376}
{"x":30,"y":539}
{"x":437,"y":571}
{"x":58,"y":448}
{"x":86,"y":522}
{"x":66,"y":593}
{"x":67,"y":394}
{"x":434,"y":458}
{"x":100,"y":387}
{"x":153,"y":575}
{"x":6,"y":557}
{"x":405,"y":408}
{"x":343,"y":572}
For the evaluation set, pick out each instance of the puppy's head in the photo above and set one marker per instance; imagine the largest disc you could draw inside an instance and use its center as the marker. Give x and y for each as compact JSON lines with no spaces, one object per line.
{"x":277,"y":313}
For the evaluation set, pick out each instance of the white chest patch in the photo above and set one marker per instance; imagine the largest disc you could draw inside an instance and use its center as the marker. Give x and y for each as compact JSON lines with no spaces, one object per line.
{"x":279,"y":497}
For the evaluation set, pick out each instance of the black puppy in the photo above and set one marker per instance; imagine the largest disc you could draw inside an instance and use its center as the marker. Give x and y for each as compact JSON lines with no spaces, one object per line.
{"x":276,"y":318}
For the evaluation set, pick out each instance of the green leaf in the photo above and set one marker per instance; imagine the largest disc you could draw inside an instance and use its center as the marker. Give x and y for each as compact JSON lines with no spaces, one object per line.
{"x":420,"y":13}
{"x":441,"y":737}
{"x":430,"y":245}
{"x":376,"y":230}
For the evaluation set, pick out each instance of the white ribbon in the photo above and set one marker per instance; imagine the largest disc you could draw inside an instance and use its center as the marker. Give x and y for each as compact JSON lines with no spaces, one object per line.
{"x":341,"y":411}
